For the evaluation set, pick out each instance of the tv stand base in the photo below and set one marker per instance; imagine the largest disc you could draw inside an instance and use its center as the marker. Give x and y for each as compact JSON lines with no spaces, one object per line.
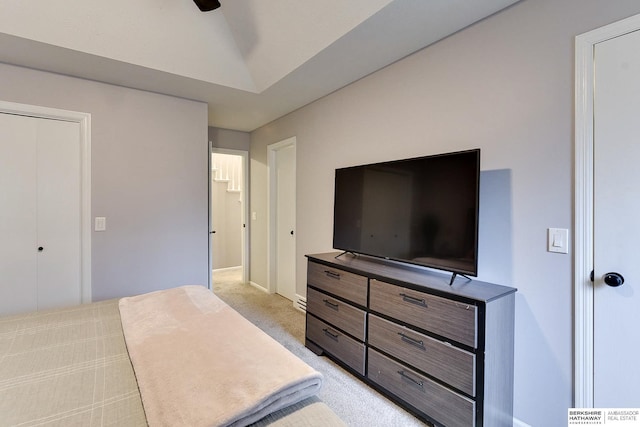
{"x":346,"y":252}
{"x":453,"y":277}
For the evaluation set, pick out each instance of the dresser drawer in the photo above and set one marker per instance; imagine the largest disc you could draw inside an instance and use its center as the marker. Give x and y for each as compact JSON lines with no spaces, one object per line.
{"x":442,"y":316}
{"x":440,"y":360}
{"x":442,"y":404}
{"x":343,"y":347}
{"x":350,"y":286}
{"x":340,"y":314}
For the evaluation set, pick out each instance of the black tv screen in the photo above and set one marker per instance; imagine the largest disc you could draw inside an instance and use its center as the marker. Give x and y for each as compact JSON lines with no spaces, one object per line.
{"x":422,"y":211}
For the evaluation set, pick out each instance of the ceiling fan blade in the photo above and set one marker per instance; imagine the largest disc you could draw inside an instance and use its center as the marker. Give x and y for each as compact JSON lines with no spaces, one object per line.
{"x":207,"y":5}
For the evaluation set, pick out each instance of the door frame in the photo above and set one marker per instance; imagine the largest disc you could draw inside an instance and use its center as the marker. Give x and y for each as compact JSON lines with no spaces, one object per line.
{"x":272,"y":181}
{"x":583,"y":211}
{"x":244,"y":154}
{"x":84,"y":121}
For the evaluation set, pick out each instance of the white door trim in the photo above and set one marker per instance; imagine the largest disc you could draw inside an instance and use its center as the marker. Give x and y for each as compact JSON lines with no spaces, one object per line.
{"x":84,"y":120}
{"x":245,"y":207}
{"x":271,"y":197}
{"x":210,"y":207}
{"x":583,"y":220}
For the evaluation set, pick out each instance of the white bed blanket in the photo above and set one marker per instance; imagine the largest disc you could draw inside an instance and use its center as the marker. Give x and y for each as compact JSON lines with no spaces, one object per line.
{"x":200,"y":363}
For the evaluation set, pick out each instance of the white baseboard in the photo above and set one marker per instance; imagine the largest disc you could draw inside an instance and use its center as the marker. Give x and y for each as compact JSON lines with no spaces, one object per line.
{"x":518,"y":423}
{"x":220,"y":270}
{"x":300,"y":303}
{"x":255,"y":285}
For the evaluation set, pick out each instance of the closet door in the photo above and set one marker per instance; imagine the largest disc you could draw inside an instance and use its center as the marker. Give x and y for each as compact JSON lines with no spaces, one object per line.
{"x":40,"y":262}
{"x":18,"y":261}
{"x":58,"y":213}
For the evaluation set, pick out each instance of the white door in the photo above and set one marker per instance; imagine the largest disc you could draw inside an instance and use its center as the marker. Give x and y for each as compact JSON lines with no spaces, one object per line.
{"x":286,"y":221}
{"x":40,"y":215}
{"x":616,"y":141}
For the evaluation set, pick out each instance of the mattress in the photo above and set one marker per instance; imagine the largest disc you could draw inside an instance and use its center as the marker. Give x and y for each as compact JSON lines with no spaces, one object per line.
{"x":70,"y":367}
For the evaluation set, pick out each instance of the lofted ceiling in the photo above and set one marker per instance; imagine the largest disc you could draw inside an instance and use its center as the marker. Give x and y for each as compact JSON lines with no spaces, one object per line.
{"x":251,"y":61}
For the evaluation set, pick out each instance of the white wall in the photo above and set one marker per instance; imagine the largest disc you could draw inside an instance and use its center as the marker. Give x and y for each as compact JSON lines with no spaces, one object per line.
{"x":149,"y":179}
{"x":230,"y":252}
{"x":227,"y":223}
{"x":504,"y":85}
{"x":226,"y":210}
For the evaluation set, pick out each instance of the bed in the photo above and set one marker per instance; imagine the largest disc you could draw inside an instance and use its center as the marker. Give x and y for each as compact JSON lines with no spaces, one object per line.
{"x":73,"y":367}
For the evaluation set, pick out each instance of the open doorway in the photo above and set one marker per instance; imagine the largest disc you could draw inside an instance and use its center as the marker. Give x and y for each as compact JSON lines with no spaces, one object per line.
{"x":228,"y":198}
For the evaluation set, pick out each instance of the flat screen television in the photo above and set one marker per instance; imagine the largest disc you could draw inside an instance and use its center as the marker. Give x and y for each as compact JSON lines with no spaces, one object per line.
{"x":421,"y":211}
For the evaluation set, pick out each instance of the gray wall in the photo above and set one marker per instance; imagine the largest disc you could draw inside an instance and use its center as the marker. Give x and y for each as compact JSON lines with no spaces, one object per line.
{"x":504,"y":85}
{"x":149,"y":179}
{"x":230,"y":139}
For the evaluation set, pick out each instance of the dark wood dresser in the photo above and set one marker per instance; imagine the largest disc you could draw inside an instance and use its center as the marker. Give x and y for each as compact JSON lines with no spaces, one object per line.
{"x":443,"y":352}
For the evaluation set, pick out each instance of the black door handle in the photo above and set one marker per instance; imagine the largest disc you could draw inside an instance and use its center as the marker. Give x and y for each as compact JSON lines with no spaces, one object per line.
{"x":613,"y":279}
{"x":212,"y":232}
{"x":40,"y":249}
{"x":292,"y":232}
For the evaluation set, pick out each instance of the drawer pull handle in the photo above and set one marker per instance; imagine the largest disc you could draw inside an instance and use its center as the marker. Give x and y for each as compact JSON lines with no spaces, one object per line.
{"x":332,"y":274}
{"x":411,"y":380}
{"x":412,"y":341}
{"x":413,"y":300}
{"x":331,"y":304}
{"x":333,"y":335}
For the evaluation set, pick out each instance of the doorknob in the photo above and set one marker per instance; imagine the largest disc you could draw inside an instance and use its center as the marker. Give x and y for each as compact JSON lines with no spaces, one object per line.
{"x":40,"y":249}
{"x":292,"y":232}
{"x":212,"y":232}
{"x":613,"y":279}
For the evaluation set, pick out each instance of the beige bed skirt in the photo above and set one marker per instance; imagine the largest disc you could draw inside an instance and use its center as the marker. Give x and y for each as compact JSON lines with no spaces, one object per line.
{"x":70,"y":367}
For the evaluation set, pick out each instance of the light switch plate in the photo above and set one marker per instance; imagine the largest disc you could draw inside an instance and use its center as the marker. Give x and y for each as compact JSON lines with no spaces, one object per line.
{"x":100,"y":223}
{"x":558,"y":240}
